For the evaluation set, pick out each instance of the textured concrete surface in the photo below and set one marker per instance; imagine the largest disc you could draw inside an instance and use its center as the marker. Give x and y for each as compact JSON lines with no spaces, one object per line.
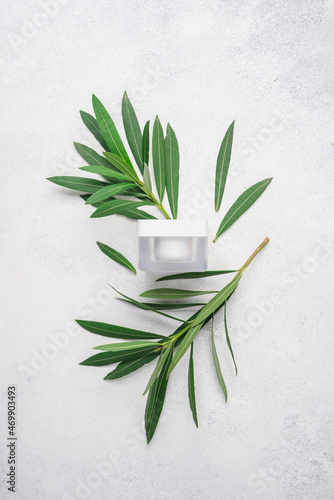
{"x":199,"y":65}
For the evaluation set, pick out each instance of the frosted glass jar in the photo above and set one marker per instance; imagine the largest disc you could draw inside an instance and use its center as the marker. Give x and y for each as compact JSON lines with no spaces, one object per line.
{"x":172,"y":245}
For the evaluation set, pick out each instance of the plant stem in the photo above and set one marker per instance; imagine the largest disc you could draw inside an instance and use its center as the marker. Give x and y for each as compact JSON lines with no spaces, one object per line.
{"x":240,"y":272}
{"x":254,"y":254}
{"x":158,"y":205}
{"x":177,"y":335}
{"x":155,"y":201}
{"x":163,"y":210}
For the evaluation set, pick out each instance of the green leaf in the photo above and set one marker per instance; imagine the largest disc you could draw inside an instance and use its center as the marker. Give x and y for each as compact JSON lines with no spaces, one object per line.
{"x":78,"y":183}
{"x":155,"y":400}
{"x":126,"y":367}
{"x":116,"y":207}
{"x":137,"y":214}
{"x":159,"y":160}
{"x":184,"y":344}
{"x":240,"y":206}
{"x":109,"y":131}
{"x":173,"y":293}
{"x":116,"y":256}
{"x":140,"y":196}
{"x":108,"y":191}
{"x":217,"y":300}
{"x":147,"y":179}
{"x":92,"y":157}
{"x":122,"y":166}
{"x":132,"y":131}
{"x":130,"y":214}
{"x":172,"y":169}
{"x":113,"y":175}
{"x":228,"y":339}
{"x":125,"y":346}
{"x":141,"y":305}
{"x":166,"y":307}
{"x":115,"y":331}
{"x":217,"y":365}
{"x":162,"y":360}
{"x":146,"y":143}
{"x":194,"y":275}
{"x":93,"y":127}
{"x":223,"y":163}
{"x":135,"y":191}
{"x":191,"y":386}
{"x":107,"y":358}
{"x":86,"y":196}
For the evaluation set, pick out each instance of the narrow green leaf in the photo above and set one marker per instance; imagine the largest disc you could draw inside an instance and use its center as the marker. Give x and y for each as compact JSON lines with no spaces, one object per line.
{"x":78,"y":183}
{"x":217,"y":365}
{"x":113,"y":175}
{"x":93,"y":127}
{"x":184,"y":344}
{"x":92,"y":157}
{"x":146,"y":143}
{"x":240,"y":206}
{"x":141,"y":305}
{"x":132,"y":131}
{"x":217,"y":300}
{"x":108,"y":191}
{"x":147,"y":179}
{"x":96,"y":205}
{"x":140,"y":196}
{"x":159,"y":160}
{"x":194,"y":275}
{"x":109,"y":131}
{"x":137,"y":214}
{"x":173,"y":293}
{"x":167,"y":306}
{"x":116,"y":256}
{"x":223,"y":163}
{"x":130,"y":214}
{"x":146,"y":307}
{"x":228,"y":340}
{"x":126,"y":367}
{"x":155,"y":400}
{"x":126,"y":346}
{"x":191,"y":385}
{"x":116,"y":207}
{"x":122,"y":166}
{"x":162,"y":360}
{"x":115,"y":331}
{"x":107,"y":358}
{"x":172,"y":169}
{"x":137,"y":192}
{"x":164,"y":307}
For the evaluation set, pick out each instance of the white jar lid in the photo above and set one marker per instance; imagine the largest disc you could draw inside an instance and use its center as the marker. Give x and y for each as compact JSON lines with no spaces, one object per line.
{"x":190,"y":228}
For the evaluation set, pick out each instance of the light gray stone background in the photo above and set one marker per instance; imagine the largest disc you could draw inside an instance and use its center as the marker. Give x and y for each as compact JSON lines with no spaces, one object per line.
{"x":200,"y":65}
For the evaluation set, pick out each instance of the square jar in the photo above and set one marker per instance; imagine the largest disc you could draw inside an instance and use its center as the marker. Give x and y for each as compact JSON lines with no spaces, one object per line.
{"x":172,"y":245}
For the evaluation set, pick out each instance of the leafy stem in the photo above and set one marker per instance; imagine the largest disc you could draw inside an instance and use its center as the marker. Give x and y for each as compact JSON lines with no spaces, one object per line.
{"x":173,"y":338}
{"x":154,"y":200}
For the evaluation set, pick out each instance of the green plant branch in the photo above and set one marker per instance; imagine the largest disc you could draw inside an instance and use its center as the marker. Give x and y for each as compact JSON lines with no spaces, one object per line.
{"x":174,"y":337}
{"x":154,"y":200}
